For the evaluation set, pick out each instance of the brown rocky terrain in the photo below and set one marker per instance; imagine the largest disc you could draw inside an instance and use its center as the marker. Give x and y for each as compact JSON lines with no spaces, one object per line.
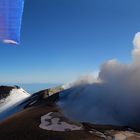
{"x":44,"y":120}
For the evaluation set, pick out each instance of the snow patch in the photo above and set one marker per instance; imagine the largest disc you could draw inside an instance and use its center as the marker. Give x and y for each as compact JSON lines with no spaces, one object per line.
{"x":120,"y":137}
{"x":54,"y":123}
{"x":116,"y":135}
{"x":123,"y":135}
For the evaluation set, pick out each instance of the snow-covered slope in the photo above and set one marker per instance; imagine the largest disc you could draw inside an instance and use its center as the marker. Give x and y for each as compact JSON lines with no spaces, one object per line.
{"x":8,"y":104}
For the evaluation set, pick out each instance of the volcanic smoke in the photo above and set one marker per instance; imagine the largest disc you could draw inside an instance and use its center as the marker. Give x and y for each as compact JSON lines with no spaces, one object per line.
{"x":113,"y":98}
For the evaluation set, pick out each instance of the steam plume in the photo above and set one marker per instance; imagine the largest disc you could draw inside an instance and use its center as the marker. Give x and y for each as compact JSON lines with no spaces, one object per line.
{"x":113,"y":98}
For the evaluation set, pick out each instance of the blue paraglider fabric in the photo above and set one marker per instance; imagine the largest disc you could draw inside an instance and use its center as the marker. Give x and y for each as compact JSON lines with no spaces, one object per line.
{"x":10,"y":20}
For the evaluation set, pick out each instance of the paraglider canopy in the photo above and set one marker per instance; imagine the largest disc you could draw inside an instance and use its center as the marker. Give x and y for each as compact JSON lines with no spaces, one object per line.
{"x":10,"y":20}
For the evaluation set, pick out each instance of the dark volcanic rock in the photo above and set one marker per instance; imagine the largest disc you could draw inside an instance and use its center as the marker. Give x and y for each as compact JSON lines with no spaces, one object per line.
{"x":26,"y":124}
{"x":42,"y":95}
{"x":4,"y":91}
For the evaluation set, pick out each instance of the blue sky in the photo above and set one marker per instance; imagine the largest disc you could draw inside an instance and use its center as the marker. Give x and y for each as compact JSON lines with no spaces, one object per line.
{"x":63,"y":39}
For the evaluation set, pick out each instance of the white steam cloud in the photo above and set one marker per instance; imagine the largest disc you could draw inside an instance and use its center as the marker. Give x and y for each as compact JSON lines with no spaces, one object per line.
{"x":114,"y":99}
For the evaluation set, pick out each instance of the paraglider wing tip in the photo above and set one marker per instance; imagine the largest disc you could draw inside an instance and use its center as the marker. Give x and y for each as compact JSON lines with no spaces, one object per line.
{"x":8,"y":41}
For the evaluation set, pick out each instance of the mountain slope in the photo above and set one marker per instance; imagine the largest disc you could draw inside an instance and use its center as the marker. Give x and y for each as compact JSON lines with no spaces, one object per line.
{"x":11,"y":98}
{"x":27,"y":124}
